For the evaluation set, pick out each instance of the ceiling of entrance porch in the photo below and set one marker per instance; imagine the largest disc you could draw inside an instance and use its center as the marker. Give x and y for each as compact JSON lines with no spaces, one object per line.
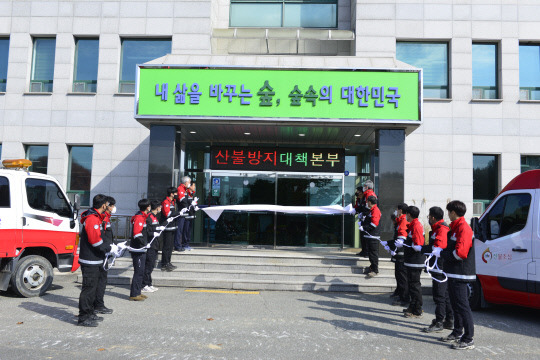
{"x":272,"y":134}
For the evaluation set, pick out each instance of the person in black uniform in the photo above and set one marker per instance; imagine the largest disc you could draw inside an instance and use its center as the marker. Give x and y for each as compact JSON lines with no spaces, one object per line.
{"x":168,"y":210}
{"x":444,"y":315}
{"x":91,"y":257}
{"x":188,"y":202}
{"x":107,"y":235}
{"x":398,"y":257}
{"x":152,"y":225}
{"x":139,"y":241}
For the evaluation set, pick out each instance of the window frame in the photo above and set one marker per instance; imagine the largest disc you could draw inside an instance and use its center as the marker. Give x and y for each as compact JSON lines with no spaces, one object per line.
{"x":68,"y":208}
{"x":283,"y":2}
{"x":3,"y":82}
{"x":448,"y":86}
{"x":522,"y":89}
{"x":75,"y":67}
{"x":504,"y":198}
{"x":525,"y":157}
{"x":27,"y":148}
{"x":498,"y":94}
{"x":121,"y":82}
{"x":32,"y":70}
{"x":83,"y":193}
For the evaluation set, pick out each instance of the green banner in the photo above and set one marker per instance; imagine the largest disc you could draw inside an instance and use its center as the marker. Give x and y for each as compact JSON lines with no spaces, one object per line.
{"x":278,"y":93}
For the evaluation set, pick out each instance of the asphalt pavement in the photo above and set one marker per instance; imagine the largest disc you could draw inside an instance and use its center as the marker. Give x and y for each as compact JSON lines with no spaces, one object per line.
{"x":176,"y":323}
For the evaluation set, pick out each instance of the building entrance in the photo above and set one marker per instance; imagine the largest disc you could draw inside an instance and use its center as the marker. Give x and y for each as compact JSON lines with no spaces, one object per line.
{"x":268,"y":228}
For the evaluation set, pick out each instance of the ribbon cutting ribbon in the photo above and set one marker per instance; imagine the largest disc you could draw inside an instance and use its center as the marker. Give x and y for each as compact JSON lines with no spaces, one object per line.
{"x":122,"y":247}
{"x":436,"y":267}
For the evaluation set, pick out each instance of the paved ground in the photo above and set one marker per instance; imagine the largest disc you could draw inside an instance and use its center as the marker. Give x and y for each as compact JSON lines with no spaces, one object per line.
{"x":176,"y":324}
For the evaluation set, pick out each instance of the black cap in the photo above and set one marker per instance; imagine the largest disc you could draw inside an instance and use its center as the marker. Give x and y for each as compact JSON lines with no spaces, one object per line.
{"x":360,"y":188}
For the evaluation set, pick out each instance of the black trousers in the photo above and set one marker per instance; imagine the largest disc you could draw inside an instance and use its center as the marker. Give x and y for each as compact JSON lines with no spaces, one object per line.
{"x":443,"y":307}
{"x":90,"y":281}
{"x":139,"y":260}
{"x":402,"y":285}
{"x":166,"y":252}
{"x":100,"y":291}
{"x":463,"y":319}
{"x":373,"y":254}
{"x":415,"y":289}
{"x":150,"y":262}
{"x":186,"y":233}
{"x":363,"y":243}
{"x":179,"y":232}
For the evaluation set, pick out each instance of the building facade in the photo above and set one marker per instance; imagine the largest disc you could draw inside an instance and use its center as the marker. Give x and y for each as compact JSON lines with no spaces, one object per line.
{"x":68,"y":79}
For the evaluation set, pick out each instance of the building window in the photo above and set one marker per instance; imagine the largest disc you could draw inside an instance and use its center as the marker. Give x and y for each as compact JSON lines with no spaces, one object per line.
{"x":43,"y":65}
{"x":530,"y":162}
{"x":80,"y":173}
{"x":485,"y":181}
{"x":283,"y":13}
{"x":139,"y":51}
{"x":86,"y":65}
{"x":529,"y":72}
{"x":4,"y":54}
{"x":485,"y":71}
{"x":432,"y":57}
{"x":39,"y":155}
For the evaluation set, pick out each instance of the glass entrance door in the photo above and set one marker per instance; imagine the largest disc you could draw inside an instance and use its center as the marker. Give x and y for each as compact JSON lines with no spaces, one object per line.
{"x":304,"y":229}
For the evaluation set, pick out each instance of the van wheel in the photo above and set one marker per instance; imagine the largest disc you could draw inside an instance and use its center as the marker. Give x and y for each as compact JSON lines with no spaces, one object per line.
{"x":32,"y":277}
{"x":475,"y":295}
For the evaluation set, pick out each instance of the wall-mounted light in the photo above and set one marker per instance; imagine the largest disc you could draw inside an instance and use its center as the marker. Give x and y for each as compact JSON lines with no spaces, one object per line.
{"x":301,"y":134}
{"x":192,"y":132}
{"x":247,"y":133}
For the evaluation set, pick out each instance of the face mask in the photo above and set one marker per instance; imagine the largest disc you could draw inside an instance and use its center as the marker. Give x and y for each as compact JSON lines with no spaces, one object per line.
{"x":395,"y":213}
{"x":113,"y":211}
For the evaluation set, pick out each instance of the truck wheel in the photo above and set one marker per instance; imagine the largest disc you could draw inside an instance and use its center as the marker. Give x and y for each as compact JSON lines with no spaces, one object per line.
{"x":475,"y":297}
{"x":32,"y":277}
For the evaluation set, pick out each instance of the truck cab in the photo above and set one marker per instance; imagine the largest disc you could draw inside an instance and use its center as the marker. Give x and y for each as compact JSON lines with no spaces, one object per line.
{"x":507,"y":245}
{"x":38,"y":231}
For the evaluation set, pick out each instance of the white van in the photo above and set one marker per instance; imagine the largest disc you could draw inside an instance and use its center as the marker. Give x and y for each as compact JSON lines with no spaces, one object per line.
{"x":38,"y":231}
{"x":507,"y":245}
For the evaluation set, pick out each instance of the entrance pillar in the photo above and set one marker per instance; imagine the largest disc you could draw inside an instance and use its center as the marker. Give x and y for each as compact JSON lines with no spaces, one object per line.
{"x":390,"y":145}
{"x":162,"y":159}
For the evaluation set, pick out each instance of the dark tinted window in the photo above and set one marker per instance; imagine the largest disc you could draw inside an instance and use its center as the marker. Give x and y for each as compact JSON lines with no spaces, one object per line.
{"x":516,"y":211}
{"x":4,"y":192}
{"x":508,"y":216}
{"x":45,"y":195}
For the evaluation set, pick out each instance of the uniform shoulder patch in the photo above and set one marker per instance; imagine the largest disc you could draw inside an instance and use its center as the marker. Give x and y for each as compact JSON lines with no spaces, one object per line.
{"x":140,"y":224}
{"x":96,"y":227}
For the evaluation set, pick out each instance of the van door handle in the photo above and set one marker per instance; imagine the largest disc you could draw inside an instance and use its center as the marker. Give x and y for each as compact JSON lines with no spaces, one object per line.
{"x":24,"y":221}
{"x":519,"y":250}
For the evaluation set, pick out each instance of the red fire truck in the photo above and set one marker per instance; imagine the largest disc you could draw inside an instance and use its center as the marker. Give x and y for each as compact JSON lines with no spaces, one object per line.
{"x":38,"y":229}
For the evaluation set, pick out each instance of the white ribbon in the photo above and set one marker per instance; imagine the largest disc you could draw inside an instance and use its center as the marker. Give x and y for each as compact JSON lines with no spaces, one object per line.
{"x":435,"y":266}
{"x":122,"y":249}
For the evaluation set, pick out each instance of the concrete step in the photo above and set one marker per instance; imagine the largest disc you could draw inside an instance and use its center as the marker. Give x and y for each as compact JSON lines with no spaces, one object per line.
{"x":266,"y":285}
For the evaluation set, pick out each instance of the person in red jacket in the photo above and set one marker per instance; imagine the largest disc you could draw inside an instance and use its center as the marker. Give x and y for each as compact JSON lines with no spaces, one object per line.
{"x":414,"y":261}
{"x":361,"y":209}
{"x":400,"y":271}
{"x":444,"y":315}
{"x":371,"y":232}
{"x":182,"y":192}
{"x":92,"y":254}
{"x":168,"y":210}
{"x":139,"y":241}
{"x":460,"y":268}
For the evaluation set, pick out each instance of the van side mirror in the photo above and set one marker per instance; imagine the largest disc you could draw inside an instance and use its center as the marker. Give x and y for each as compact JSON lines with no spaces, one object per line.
{"x":77,"y":202}
{"x":477,"y":228}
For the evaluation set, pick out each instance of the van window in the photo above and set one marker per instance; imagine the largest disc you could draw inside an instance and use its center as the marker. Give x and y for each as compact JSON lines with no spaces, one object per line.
{"x":4,"y":192}
{"x":45,"y":195}
{"x":508,"y":215}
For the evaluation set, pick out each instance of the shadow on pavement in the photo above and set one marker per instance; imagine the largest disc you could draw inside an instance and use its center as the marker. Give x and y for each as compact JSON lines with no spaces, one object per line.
{"x":57,"y":313}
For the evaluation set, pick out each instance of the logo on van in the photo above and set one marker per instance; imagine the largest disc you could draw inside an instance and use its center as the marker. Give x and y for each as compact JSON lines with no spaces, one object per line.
{"x":487,"y":255}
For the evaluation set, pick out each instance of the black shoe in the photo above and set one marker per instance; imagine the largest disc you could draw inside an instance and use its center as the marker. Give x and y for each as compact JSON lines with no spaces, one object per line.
{"x":172,"y":266}
{"x":462,"y":345}
{"x":94,"y":317}
{"x":436,"y":326}
{"x":103,"y":310}
{"x":407,"y":310}
{"x":87,"y":322}
{"x":362,"y":254}
{"x":394,"y":294}
{"x":448,"y":324}
{"x":450,"y":338}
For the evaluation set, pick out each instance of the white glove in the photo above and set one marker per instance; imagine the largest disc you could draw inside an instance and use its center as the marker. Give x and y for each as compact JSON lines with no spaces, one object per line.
{"x":436,"y":251}
{"x":183,"y":211}
{"x":156,"y":234}
{"x":114,"y":249}
{"x":169,"y":220}
{"x":360,"y":227}
{"x":393,"y":253}
{"x":399,"y":243}
{"x":122,"y":245}
{"x":417,"y":248}
{"x":384,"y":243}
{"x":195,"y":201}
{"x":147,"y":246}
{"x":160,"y":228}
{"x":387,"y":248}
{"x":352,"y":211}
{"x":197,"y":208}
